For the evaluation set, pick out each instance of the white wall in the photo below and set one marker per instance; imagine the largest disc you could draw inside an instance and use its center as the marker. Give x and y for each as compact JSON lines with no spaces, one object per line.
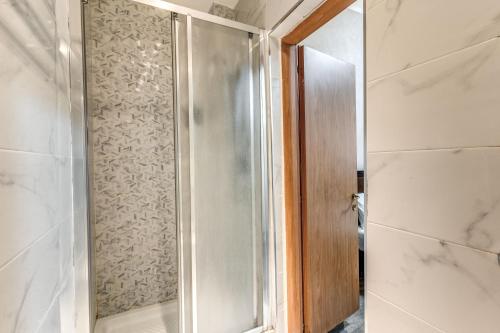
{"x":342,"y":38}
{"x":433,"y":127}
{"x":37,"y":234}
{"x":276,"y":9}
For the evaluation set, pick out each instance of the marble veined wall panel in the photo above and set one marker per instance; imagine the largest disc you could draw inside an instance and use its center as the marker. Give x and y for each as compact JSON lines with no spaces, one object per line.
{"x":37,"y":278}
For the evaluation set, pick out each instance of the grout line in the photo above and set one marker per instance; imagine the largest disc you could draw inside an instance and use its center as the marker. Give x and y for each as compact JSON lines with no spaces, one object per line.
{"x":428,"y":61}
{"x":401,"y":309}
{"x":417,"y":234}
{"x":29,"y":246}
{"x":431,"y":149}
{"x":13,"y":150}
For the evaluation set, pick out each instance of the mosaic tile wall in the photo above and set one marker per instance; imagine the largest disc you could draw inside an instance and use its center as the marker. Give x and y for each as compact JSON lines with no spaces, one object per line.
{"x":222,"y":11}
{"x":132,"y":136}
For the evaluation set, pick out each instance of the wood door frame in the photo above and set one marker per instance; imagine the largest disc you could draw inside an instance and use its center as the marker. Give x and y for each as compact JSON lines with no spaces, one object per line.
{"x":290,"y":112}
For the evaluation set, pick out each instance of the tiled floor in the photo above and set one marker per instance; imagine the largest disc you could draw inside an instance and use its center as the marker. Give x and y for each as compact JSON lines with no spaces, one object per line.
{"x":356,"y":322}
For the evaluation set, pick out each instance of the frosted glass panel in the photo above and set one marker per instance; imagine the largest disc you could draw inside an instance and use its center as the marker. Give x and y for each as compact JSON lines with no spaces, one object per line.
{"x":226,"y":181}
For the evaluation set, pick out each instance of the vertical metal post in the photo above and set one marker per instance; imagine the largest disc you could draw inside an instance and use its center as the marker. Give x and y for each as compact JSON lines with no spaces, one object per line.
{"x":192,"y":174}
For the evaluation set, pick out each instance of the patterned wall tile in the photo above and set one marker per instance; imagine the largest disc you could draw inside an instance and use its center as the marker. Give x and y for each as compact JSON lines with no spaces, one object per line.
{"x":222,"y":11}
{"x":133,"y":161}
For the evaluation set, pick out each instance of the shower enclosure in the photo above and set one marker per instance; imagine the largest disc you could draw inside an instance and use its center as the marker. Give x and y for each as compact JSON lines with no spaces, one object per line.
{"x":225,"y":238}
{"x":222,"y":177}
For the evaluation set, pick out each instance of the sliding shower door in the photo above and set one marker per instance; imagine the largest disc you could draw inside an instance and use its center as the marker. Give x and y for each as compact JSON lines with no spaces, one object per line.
{"x":221,"y":153}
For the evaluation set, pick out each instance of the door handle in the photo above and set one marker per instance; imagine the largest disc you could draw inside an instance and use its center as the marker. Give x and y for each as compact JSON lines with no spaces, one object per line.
{"x":354,"y":203}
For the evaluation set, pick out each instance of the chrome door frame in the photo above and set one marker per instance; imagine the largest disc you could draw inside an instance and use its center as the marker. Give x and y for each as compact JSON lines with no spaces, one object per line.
{"x":268,"y":226}
{"x":199,"y":15}
{"x":269,"y":237}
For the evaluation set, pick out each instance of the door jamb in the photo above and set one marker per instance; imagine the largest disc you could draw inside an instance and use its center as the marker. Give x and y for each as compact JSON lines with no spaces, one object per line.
{"x":290,"y":112}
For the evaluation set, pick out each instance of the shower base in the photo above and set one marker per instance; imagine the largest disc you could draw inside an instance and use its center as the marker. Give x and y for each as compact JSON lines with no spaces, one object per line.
{"x":158,"y":318}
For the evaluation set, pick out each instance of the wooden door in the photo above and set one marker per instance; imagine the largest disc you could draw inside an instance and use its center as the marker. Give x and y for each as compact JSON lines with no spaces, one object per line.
{"x":327,"y":121}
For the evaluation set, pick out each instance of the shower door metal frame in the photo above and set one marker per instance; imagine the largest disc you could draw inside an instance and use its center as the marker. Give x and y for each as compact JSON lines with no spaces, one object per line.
{"x":200,"y":15}
{"x":268,"y":227}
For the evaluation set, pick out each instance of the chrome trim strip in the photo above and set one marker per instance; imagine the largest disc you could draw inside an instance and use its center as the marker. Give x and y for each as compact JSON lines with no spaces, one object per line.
{"x":88,"y":175}
{"x":254,"y":194}
{"x":178,"y":173}
{"x":191,"y":173}
{"x":199,"y":15}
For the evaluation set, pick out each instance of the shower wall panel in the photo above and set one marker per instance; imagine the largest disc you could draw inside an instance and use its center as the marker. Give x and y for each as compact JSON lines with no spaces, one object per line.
{"x":222,"y":11}
{"x":43,"y":276}
{"x":129,"y":56}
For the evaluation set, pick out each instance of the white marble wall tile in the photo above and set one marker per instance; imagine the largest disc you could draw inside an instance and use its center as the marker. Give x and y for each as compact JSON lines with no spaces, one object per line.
{"x":67,"y":305}
{"x":32,"y":79}
{"x":60,"y":317}
{"x":33,"y":188}
{"x":66,"y":254}
{"x":52,"y":321}
{"x":36,"y":233}
{"x":62,"y":144}
{"x":30,"y":282}
{"x":29,"y":103}
{"x":451,"y":102}
{"x":452,"y":195}
{"x":454,"y":288}
{"x":82,"y":294}
{"x":30,"y":26}
{"x":384,"y":317}
{"x":401,"y":34}
{"x":372,"y":3}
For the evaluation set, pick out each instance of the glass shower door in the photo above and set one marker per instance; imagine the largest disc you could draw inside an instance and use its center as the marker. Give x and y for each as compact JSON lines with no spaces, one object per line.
{"x":220,"y":149}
